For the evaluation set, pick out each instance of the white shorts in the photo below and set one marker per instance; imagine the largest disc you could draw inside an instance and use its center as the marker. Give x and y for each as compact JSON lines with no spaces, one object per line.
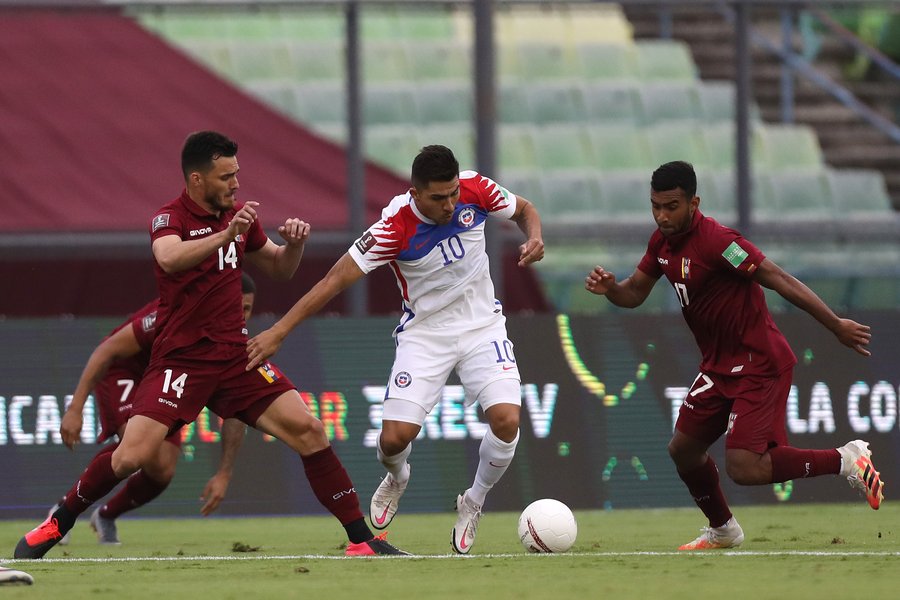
{"x":425,"y":359}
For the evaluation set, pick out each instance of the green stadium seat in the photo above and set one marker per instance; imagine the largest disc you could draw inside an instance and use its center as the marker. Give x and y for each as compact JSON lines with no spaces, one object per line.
{"x":543,"y":62}
{"x":717,"y":101}
{"x":626,"y":197}
{"x":261,"y":60}
{"x":426,"y":25}
{"x":440,"y":60}
{"x":389,"y":103}
{"x":598,"y":61}
{"x":790,"y":147}
{"x":528,"y":185}
{"x":457,"y":137}
{"x":384,"y":62}
{"x":677,"y":140}
{"x":215,"y":55}
{"x":573,"y":197}
{"x":860,"y":194}
{"x":662,"y":101}
{"x":665,"y":60}
{"x":531,"y":24}
{"x":391,"y":146}
{"x":320,"y":103}
{"x":611,"y":101}
{"x":802,"y":197}
{"x":444,"y":102}
{"x":378,"y":23}
{"x":719,"y":139}
{"x":276,"y":94}
{"x":620,"y":148}
{"x":595,"y":22}
{"x":515,"y":148}
{"x":513,"y":106}
{"x":335,"y":132}
{"x":312,"y":24}
{"x":717,"y":195}
{"x":317,"y":61}
{"x":563,"y":147}
{"x":259,"y":26}
{"x":180,"y":25}
{"x":555,"y":103}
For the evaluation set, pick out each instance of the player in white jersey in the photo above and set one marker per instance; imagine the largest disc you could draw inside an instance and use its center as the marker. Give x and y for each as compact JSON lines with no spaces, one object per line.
{"x":432,"y":237}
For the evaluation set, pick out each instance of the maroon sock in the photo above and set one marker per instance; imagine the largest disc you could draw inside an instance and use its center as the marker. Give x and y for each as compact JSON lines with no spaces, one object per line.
{"x":795,"y":463}
{"x":139,"y":490}
{"x":703,"y":484}
{"x":96,"y":481}
{"x":332,"y":486}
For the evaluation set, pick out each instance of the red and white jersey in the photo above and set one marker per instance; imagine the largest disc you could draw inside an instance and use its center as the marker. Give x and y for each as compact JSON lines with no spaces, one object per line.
{"x":442,"y":270}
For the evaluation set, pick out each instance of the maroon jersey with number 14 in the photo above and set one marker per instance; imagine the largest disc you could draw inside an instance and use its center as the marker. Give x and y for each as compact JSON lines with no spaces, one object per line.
{"x":711,"y":268}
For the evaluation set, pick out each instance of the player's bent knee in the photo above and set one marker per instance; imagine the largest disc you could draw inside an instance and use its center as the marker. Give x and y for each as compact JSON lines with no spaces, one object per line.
{"x":124,"y":463}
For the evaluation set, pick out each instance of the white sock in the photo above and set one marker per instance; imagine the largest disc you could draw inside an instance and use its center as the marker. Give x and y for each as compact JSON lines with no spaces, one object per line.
{"x":396,"y":464}
{"x":494,"y":458}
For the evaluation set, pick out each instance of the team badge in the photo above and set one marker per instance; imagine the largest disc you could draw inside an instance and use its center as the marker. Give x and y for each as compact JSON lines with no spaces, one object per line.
{"x":466,"y":217}
{"x":269,"y":372}
{"x":685,"y":268}
{"x":160,"y":221}
{"x":365,"y":243}
{"x":402,"y":379}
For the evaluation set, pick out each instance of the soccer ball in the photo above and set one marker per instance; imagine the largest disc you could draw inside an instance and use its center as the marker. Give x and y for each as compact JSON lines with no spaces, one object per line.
{"x":547,"y":526}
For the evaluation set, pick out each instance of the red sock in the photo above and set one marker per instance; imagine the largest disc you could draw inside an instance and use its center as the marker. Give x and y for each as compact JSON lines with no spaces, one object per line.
{"x":795,"y":463}
{"x":332,"y":486}
{"x":703,"y":484}
{"x":139,"y":490}
{"x":96,"y":481}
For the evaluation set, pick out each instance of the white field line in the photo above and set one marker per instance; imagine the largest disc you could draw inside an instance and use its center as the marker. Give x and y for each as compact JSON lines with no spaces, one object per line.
{"x":705,"y":555}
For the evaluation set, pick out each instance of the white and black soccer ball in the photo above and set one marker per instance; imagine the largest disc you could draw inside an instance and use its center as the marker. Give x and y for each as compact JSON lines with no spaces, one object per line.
{"x":547,"y":525}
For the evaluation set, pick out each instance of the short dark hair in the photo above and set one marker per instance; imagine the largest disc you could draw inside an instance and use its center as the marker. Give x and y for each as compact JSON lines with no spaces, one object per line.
{"x":675,"y":174}
{"x":201,"y":148}
{"x":434,"y":163}
{"x":248,"y":286}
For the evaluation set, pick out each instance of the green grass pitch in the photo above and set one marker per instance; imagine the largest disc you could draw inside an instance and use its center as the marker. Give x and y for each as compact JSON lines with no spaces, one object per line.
{"x":822,"y":551}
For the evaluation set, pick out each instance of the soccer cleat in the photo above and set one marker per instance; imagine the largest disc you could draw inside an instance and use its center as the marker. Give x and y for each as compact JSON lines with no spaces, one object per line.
{"x":64,"y":541}
{"x":463,"y":535}
{"x":377,"y":546}
{"x":857,"y":467}
{"x":385,"y":501}
{"x":14,"y":577}
{"x":39,"y":540}
{"x":729,"y":535}
{"x":107,"y":533}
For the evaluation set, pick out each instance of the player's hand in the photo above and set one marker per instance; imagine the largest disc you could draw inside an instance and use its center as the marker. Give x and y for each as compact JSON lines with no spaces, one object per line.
{"x":214,"y":493}
{"x":243,"y":219}
{"x":854,"y":335}
{"x":531,"y":251}
{"x":261,"y":347}
{"x":295,"y":232}
{"x":599,"y":281}
{"x":70,"y":428}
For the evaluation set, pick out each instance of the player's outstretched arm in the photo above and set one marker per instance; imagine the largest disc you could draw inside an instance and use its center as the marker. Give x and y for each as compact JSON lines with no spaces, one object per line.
{"x":175,"y":255}
{"x":233,"y":431}
{"x":529,"y":221}
{"x":848,"y":332}
{"x":342,"y":275}
{"x":121,"y":344}
{"x":281,"y":262}
{"x":630,"y":293}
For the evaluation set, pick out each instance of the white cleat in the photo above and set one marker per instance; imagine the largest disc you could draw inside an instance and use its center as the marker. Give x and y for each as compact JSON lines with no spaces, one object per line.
{"x":729,"y":535}
{"x":857,"y":467}
{"x":386,"y":501}
{"x":463,"y":534}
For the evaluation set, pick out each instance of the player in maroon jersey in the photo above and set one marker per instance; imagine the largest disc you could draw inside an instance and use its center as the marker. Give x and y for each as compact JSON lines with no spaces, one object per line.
{"x":746,"y":368}
{"x":199,"y":242}
{"x":114,"y":369}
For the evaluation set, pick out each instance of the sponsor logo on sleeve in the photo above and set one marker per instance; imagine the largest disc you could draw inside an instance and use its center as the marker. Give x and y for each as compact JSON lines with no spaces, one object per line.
{"x":365,"y":243}
{"x":149,"y":322}
{"x":735,"y":255}
{"x":160,"y":221}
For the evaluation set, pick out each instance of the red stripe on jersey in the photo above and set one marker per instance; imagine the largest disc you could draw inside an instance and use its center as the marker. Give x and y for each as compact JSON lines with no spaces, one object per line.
{"x":400,"y":279}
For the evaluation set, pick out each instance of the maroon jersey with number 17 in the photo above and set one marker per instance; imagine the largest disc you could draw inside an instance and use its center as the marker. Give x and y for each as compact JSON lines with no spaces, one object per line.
{"x":711,"y":268}
{"x":203,"y":302}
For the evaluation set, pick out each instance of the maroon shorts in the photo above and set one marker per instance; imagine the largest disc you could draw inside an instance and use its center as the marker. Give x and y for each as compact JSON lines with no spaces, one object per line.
{"x":750,"y":410}
{"x":175,"y":388}
{"x":114,"y":395}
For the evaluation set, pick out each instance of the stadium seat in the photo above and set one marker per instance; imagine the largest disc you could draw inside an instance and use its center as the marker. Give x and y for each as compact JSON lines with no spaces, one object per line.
{"x":512,"y":104}
{"x":620,"y":148}
{"x":543,"y":62}
{"x":860,"y":194}
{"x":276,"y":94}
{"x":444,"y":102}
{"x":563,"y":147}
{"x":320,"y":103}
{"x":573,"y":196}
{"x":554,"y":103}
{"x":457,"y":137}
{"x":389,"y":103}
{"x":440,"y":60}
{"x":260,"y":26}
{"x":546,"y":23}
{"x":261,"y":60}
{"x":598,"y":61}
{"x":317,"y":61}
{"x":802,"y":197}
{"x":384,"y":62}
{"x":215,"y":55}
{"x":665,"y":60}
{"x":425,"y":25}
{"x":717,"y":194}
{"x":515,"y":148}
{"x":719,"y":140}
{"x":313,"y":24}
{"x":662,"y":101}
{"x":605,"y":23}
{"x":611,"y":101}
{"x":717,"y":101}
{"x":676,"y":140}
{"x":181,"y":25}
{"x":392,"y":146}
{"x":626,"y":197}
{"x":527,"y":184}
{"x":790,"y":147}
